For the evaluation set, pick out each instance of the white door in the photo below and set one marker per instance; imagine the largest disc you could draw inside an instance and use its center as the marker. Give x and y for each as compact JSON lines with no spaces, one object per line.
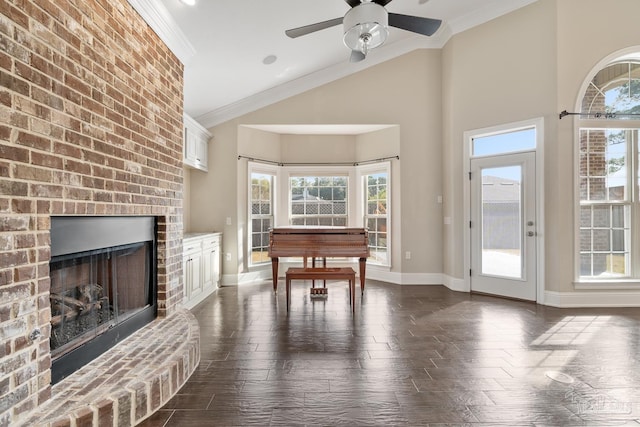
{"x":503,"y":225}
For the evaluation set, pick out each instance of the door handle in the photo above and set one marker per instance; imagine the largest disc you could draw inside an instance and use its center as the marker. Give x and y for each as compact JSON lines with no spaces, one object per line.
{"x":531,"y":233}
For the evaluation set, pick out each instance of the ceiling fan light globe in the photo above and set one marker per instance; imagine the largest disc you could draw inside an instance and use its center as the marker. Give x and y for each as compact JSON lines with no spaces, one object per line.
{"x":366,"y":21}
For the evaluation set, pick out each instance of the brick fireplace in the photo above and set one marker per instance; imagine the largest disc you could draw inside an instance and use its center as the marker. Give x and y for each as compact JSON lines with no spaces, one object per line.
{"x":91,"y":125}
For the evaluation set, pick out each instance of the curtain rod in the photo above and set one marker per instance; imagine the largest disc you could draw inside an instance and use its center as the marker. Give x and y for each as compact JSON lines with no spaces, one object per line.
{"x":365,"y":162}
{"x":598,"y":115}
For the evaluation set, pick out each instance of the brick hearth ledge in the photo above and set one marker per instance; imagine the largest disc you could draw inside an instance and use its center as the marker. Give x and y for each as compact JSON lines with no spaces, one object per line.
{"x":129,"y":382}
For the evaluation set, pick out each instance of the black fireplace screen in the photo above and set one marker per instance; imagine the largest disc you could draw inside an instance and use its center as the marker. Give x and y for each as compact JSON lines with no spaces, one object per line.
{"x":103,"y":285}
{"x":92,"y":291}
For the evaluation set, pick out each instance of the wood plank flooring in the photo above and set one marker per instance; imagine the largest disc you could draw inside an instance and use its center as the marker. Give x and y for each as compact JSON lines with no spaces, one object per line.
{"x":411,"y":355}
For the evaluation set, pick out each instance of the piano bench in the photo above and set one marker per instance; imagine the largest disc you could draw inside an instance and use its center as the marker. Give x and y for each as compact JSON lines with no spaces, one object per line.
{"x":338,"y":273}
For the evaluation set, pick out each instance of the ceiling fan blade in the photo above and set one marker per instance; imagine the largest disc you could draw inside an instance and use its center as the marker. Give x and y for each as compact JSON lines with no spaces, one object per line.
{"x":354,"y":3}
{"x":307,"y":29}
{"x":357,"y":56}
{"x":415,"y":24}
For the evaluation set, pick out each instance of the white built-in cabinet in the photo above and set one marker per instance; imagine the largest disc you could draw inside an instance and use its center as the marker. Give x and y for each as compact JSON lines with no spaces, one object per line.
{"x":200,"y":266}
{"x":196,"y":144}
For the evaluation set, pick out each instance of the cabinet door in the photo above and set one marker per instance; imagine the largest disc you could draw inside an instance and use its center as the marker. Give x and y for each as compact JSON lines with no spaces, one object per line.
{"x":193,"y":275}
{"x":211,"y":262}
{"x":202,"y":153}
{"x":196,"y":271}
{"x":217,"y":270}
{"x":190,"y":147}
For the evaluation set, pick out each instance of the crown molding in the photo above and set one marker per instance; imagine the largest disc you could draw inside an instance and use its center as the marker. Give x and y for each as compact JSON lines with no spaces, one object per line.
{"x":158,"y":18}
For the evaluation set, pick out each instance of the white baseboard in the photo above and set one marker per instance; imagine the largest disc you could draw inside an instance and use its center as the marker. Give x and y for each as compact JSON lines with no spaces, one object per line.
{"x":246,"y":278}
{"x":613,"y":298}
{"x":592,"y":299}
{"x":455,"y":284}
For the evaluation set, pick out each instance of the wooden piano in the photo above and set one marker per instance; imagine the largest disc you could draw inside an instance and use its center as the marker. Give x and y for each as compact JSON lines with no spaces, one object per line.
{"x":318,"y":242}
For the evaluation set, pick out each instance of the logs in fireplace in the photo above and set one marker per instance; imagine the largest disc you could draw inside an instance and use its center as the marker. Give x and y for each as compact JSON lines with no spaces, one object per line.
{"x":76,"y":312}
{"x":103,"y":285}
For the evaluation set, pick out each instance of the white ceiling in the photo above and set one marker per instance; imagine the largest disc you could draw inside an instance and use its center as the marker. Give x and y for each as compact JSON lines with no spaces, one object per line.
{"x":223,"y":44}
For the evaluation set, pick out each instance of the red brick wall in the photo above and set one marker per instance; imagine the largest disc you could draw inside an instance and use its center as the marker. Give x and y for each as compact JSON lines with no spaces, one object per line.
{"x":90,"y":124}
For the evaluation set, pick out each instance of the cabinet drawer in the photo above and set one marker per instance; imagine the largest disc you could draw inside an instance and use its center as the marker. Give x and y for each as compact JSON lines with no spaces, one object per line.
{"x":190,"y":247}
{"x":211,"y":241}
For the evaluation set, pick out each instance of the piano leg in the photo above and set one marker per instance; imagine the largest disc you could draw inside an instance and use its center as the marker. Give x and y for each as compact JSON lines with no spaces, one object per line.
{"x":274,"y":272}
{"x":313,"y":264}
{"x":324,"y":265}
{"x":363,"y":266}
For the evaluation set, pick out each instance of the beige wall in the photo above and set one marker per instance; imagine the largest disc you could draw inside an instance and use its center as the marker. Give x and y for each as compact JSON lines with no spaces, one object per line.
{"x":186,"y":197}
{"x":587,"y":38}
{"x":318,"y":148}
{"x":405,"y":92}
{"x":500,"y":72}
{"x":527,"y":64}
{"x":380,"y":145}
{"x":530,"y":63}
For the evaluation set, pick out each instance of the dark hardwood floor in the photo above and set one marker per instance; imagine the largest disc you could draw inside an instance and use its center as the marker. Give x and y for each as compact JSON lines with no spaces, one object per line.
{"x":411,"y":355}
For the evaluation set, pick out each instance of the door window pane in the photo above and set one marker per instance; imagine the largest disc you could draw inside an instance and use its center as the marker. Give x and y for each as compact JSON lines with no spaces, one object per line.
{"x":502,"y":222}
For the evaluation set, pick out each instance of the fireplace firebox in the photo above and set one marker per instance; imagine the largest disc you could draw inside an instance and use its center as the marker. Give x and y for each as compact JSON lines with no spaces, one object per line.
{"x":103,"y":285}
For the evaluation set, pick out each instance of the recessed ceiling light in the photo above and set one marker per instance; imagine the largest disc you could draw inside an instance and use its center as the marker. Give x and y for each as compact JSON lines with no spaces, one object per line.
{"x":269,"y":59}
{"x":189,"y":2}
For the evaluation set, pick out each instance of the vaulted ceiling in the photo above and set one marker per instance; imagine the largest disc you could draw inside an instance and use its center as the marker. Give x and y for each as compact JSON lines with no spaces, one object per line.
{"x":237,"y":57}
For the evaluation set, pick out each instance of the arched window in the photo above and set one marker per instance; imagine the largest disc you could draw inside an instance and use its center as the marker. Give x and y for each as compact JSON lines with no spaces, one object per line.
{"x":608,"y":159}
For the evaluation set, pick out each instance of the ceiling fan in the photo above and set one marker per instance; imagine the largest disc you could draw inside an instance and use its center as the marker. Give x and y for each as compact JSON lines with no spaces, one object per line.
{"x":366,"y":26}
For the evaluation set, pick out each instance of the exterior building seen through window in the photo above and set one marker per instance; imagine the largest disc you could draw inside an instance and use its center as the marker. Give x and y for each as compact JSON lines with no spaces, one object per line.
{"x":608,"y":177}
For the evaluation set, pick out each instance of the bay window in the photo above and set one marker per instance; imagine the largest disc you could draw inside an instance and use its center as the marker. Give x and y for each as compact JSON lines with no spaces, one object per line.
{"x":319,"y":196}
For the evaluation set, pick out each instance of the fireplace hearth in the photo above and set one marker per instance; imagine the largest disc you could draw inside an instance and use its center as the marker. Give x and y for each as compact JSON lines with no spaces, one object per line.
{"x":103,"y":285}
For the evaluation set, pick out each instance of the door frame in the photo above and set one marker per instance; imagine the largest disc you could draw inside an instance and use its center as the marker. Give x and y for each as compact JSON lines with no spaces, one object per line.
{"x":538,"y":124}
